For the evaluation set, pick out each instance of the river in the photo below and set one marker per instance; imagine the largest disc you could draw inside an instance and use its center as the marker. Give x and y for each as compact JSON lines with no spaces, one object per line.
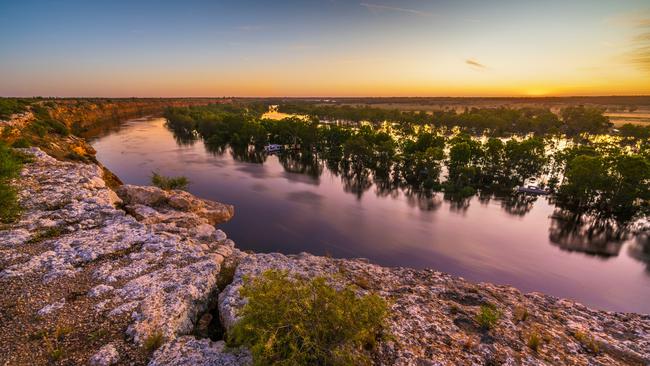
{"x":278,"y":208}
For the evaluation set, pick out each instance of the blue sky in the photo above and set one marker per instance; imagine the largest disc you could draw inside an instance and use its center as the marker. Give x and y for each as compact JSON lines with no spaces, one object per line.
{"x":298,"y":48}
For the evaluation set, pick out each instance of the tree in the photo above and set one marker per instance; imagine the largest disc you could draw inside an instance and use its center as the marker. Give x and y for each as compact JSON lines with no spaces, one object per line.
{"x":524,"y":159}
{"x":584,"y":119}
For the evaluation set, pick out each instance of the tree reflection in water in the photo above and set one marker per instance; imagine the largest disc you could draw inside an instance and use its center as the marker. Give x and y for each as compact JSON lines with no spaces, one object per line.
{"x":425,"y":200}
{"x":640,"y":249}
{"x":301,"y":163}
{"x":422,"y":189}
{"x":518,"y":204}
{"x":216,"y":149}
{"x":185,"y":138}
{"x":573,"y":232}
{"x":355,"y":177}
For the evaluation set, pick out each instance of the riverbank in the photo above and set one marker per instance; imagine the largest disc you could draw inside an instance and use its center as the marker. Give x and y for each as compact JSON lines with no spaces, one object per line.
{"x":92,"y":274}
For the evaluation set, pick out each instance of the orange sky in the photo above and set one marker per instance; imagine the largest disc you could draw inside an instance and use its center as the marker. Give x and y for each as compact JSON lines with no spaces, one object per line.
{"x":316,"y":48}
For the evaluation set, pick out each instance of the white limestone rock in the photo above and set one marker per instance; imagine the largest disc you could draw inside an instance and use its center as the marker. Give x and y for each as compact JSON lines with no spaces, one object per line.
{"x":188,"y":350}
{"x":106,"y":356}
{"x":50,"y":308}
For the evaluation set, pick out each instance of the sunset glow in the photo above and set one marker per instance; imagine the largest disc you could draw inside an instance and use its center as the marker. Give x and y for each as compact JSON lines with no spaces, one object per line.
{"x":316,"y":48}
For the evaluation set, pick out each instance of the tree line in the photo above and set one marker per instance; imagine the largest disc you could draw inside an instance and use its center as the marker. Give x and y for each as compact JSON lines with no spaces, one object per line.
{"x":502,"y":121}
{"x":607,"y":179}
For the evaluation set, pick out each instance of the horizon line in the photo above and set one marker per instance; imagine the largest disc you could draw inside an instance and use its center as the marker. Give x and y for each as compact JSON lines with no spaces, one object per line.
{"x":329,"y":97}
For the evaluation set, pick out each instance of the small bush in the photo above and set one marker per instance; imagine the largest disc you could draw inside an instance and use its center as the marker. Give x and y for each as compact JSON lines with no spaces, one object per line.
{"x":44,"y":123}
{"x":169,"y":183}
{"x":10,"y":165}
{"x":488,"y":317}
{"x":520,"y":314}
{"x":9,"y":106}
{"x":21,"y":143}
{"x":52,"y":341}
{"x":56,"y":354}
{"x":153,"y":341}
{"x":9,"y":208}
{"x":97,"y":335}
{"x":10,"y":162}
{"x":587,"y":341}
{"x":295,"y":321}
{"x":41,"y":127}
{"x":533,"y":340}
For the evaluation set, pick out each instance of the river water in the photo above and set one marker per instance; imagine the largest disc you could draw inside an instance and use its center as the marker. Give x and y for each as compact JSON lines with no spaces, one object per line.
{"x":278,"y":208}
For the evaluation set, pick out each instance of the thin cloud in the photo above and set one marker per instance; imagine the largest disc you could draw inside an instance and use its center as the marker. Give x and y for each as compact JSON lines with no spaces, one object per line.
{"x":636,"y":19}
{"x":475,"y":64}
{"x":639,"y":56}
{"x":371,"y":7}
{"x":645,"y":37}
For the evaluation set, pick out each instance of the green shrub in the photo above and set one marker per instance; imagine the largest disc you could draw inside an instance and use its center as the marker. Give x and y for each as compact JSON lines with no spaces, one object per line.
{"x":520,"y":314}
{"x":153,"y":341}
{"x":9,"y":106}
{"x":9,"y":208}
{"x":488,"y":316}
{"x":44,"y":123}
{"x":10,"y":165}
{"x":587,"y":341}
{"x":533,"y":340}
{"x":295,"y":321}
{"x":41,"y":127}
{"x":169,"y":183}
{"x":21,"y":143}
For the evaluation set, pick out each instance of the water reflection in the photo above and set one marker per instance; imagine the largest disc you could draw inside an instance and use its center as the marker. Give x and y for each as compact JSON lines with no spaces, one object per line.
{"x":299,"y":162}
{"x":185,"y":138}
{"x":356,"y":178}
{"x":579,"y":233}
{"x":518,"y":204}
{"x":640,"y":250}
{"x":425,"y":200}
{"x":568,"y":231}
{"x":327,"y":202}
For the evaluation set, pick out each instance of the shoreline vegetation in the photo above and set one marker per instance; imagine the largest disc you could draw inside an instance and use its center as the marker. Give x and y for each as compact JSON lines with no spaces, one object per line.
{"x":11,"y":163}
{"x":594,"y":172}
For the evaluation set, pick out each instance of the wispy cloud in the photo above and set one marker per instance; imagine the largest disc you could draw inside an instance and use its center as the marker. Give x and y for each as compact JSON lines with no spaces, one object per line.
{"x":380,"y":7}
{"x":633,"y":19}
{"x":475,"y":64}
{"x":639,"y":55}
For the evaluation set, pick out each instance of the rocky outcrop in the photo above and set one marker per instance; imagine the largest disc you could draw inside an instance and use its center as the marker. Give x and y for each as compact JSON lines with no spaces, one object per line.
{"x":16,"y":122}
{"x":91,"y":113}
{"x":433,"y":317}
{"x":154,"y":206}
{"x":153,"y":273}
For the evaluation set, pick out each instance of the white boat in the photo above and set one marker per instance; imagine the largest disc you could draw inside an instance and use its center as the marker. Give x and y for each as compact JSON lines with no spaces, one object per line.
{"x":273,"y":148}
{"x":533,"y":190}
